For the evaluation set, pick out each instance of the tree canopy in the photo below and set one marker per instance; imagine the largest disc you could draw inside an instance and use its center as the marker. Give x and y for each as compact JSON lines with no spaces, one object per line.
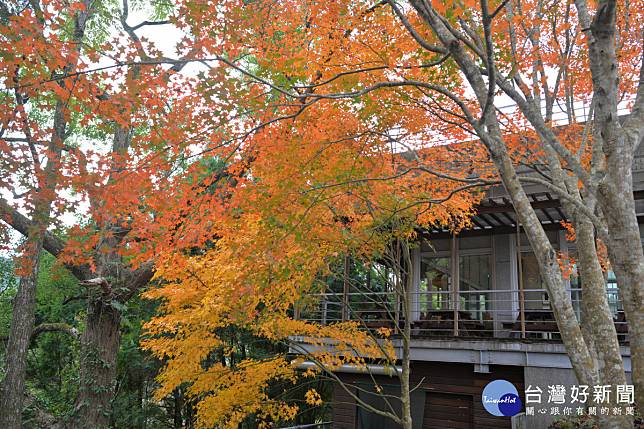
{"x":228,"y":174}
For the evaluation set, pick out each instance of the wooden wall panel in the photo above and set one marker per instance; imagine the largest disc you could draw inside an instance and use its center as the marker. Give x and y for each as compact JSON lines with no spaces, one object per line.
{"x":344,"y":409}
{"x":452,"y":395}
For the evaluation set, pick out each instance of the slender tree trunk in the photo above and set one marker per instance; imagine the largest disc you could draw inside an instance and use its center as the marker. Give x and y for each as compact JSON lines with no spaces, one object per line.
{"x":22,"y":326}
{"x":587,"y":329}
{"x":99,"y":349}
{"x":597,"y":324}
{"x":177,"y":406}
{"x":492,"y":136}
{"x":24,"y":306}
{"x":600,"y":320}
{"x":616,"y":188}
{"x":578,"y":352}
{"x":627,"y":261}
{"x":405,"y":388}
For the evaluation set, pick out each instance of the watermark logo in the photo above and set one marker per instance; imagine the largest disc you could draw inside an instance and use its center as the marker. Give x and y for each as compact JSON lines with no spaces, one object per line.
{"x":578,"y":400}
{"x":500,"y":398}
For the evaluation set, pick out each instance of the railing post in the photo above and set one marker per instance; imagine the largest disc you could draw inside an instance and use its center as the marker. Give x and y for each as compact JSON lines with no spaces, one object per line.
{"x":325,"y":309}
{"x":397,"y":313}
{"x":345,"y":291}
{"x":521,"y":291}
{"x":456,"y":300}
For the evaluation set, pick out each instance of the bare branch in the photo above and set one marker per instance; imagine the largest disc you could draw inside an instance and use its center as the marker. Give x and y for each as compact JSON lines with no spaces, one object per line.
{"x":412,"y":31}
{"x":51,"y":243}
{"x":145,"y":23}
{"x":489,"y":59}
{"x":55,"y":327}
{"x":50,"y":327}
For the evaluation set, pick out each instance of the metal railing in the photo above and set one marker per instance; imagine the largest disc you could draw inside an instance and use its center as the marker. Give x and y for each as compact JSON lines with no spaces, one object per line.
{"x":323,"y":425}
{"x":442,"y":313}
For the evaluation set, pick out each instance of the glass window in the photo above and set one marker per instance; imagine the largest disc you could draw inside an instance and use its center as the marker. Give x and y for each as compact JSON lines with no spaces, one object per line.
{"x":613,"y":293}
{"x":611,"y":290}
{"x":474,"y":284}
{"x":471,"y":243}
{"x":434,"y":284}
{"x":536,"y":297}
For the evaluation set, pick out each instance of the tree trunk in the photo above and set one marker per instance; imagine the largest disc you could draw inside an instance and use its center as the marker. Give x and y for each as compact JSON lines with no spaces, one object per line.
{"x":22,"y":326}
{"x":627,"y":261}
{"x":405,"y":388}
{"x":177,"y":406}
{"x":600,"y":320}
{"x":492,"y":137}
{"x":22,"y":323}
{"x":571,"y":335}
{"x":615,"y":191}
{"x":99,"y":349}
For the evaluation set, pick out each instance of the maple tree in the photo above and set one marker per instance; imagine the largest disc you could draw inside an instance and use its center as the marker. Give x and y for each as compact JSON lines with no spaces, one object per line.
{"x":101,"y":143}
{"x":278,"y":235}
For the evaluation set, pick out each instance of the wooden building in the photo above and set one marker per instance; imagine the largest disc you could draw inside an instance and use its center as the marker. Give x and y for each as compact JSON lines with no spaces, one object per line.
{"x":480,"y":313}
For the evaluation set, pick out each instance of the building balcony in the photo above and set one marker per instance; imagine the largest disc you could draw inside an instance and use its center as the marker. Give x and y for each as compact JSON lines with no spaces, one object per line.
{"x":479,"y":314}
